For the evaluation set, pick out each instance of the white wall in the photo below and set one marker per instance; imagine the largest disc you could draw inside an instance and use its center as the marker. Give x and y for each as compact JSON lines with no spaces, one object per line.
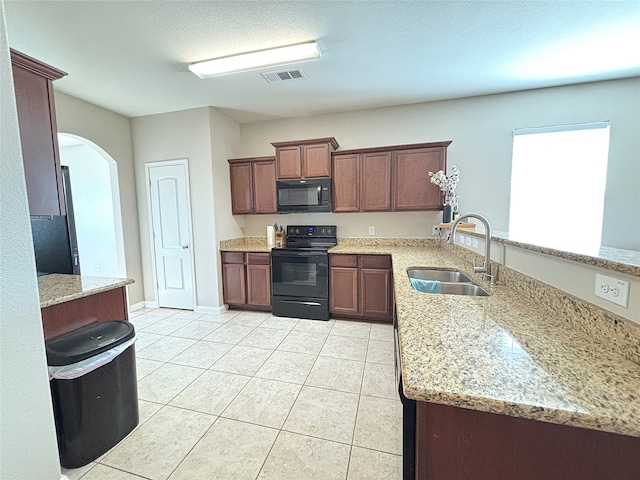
{"x":112,"y":133}
{"x":481,"y":130}
{"x":189,"y":134}
{"x":225,"y":142}
{"x":28,"y":446}
{"x":93,"y":211}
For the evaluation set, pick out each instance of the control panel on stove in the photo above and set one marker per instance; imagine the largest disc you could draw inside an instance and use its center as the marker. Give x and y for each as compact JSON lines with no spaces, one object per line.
{"x":311,"y":230}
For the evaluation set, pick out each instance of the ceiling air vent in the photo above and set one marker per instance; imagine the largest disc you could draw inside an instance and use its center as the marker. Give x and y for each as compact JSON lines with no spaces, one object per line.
{"x":284,"y":75}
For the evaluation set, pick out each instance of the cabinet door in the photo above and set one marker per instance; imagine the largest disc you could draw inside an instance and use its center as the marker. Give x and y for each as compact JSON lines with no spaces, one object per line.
{"x":343,"y":290}
{"x":234,"y":283}
{"x":259,"y":285}
{"x":412,"y":187}
{"x":39,"y":139}
{"x":241,"y":188}
{"x":346,"y":183}
{"x":288,"y":162}
{"x":375,"y":292}
{"x":264,"y":187}
{"x":375,"y":182}
{"x":316,"y":161}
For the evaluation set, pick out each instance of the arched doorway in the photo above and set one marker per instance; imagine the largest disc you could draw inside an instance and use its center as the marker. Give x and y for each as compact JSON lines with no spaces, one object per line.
{"x":96,"y":201}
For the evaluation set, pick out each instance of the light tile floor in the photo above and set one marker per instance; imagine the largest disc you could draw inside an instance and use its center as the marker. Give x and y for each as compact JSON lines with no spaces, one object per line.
{"x":245,"y":395}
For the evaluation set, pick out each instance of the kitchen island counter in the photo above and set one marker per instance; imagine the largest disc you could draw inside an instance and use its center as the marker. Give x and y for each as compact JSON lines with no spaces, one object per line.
{"x":68,"y":302}
{"x":524,"y":351}
{"x":58,"y":288}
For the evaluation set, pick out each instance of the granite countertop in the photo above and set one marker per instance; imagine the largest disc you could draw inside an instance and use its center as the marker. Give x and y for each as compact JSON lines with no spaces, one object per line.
{"x":58,"y":288}
{"x":504,"y":353}
{"x":245,"y":244}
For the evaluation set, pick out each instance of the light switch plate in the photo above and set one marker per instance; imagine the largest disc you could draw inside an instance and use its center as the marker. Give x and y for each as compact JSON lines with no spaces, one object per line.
{"x":612,"y":289}
{"x":461,"y":239}
{"x":468,"y":240}
{"x":372,"y":230}
{"x":475,"y":243}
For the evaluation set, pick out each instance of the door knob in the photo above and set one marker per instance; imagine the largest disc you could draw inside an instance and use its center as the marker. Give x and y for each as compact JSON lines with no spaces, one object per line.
{"x":184,"y":247}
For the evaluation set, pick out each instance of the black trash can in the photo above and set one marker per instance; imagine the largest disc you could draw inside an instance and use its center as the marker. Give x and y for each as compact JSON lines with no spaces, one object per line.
{"x":94,"y":389}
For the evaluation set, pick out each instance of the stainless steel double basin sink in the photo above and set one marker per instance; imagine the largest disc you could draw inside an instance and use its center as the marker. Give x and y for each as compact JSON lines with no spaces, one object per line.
{"x":447,"y":281}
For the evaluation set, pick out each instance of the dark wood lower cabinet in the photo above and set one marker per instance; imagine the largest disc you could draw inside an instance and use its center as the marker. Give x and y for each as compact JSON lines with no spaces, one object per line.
{"x":246,"y":280}
{"x":455,"y":444}
{"x":234,"y":284}
{"x":259,"y":285}
{"x":63,"y":317}
{"x":360,"y":286}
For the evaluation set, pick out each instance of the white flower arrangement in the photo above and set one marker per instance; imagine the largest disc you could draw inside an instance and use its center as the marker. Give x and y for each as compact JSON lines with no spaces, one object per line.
{"x":447,"y":184}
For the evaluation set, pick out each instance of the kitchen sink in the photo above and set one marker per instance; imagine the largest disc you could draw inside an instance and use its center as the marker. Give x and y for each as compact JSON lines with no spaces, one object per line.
{"x":448,"y":282}
{"x":449,"y":276}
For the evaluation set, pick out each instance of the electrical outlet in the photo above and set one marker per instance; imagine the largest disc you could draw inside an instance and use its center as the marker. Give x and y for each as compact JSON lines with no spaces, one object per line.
{"x":468,"y":240}
{"x":613,"y":290}
{"x":435,"y":230}
{"x":372,"y":230}
{"x":474,"y":242}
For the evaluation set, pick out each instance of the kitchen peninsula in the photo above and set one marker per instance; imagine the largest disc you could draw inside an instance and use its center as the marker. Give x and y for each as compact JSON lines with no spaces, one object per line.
{"x":68,"y":302}
{"x":516,"y":384}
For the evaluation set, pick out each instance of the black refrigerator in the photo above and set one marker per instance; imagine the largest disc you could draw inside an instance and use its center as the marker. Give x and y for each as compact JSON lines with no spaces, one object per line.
{"x":54,"y":237}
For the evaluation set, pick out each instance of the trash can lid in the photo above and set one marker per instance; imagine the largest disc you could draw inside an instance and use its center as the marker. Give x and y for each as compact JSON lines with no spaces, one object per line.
{"x":88,"y":341}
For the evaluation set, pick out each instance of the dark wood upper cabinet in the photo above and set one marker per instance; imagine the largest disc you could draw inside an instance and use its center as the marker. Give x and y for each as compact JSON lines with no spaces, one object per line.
{"x":412,"y":187}
{"x":316,"y":160}
{"x":38,"y":133}
{"x":253,"y":185}
{"x":289,"y":162}
{"x":388,"y":179}
{"x":264,"y":186}
{"x":241,"y":187}
{"x":376,"y":182}
{"x":304,"y":158}
{"x":362,"y":182}
{"x":346,"y":183}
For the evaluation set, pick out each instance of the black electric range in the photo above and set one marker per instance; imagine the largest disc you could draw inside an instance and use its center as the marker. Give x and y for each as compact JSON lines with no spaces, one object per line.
{"x":300,"y":272}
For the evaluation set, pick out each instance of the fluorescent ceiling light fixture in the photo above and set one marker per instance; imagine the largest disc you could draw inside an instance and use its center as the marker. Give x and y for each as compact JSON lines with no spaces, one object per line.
{"x":301,"y":52}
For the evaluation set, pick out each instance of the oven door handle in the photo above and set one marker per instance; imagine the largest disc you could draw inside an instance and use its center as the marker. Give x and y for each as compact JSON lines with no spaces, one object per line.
{"x":299,"y":302}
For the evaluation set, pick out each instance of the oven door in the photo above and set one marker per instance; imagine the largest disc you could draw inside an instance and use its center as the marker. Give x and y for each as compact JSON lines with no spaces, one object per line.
{"x":300,"y":273}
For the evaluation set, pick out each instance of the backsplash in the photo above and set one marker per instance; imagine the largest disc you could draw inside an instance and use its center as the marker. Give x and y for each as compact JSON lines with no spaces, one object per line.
{"x":621,"y":334}
{"x":390,"y":242}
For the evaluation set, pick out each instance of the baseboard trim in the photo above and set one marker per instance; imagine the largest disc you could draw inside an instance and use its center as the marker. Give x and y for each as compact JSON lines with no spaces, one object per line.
{"x":136,"y":306}
{"x":148,"y":304}
{"x":216,"y":310}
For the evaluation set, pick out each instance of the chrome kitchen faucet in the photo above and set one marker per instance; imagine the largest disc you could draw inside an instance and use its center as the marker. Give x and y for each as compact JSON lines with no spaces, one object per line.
{"x":485,"y":269}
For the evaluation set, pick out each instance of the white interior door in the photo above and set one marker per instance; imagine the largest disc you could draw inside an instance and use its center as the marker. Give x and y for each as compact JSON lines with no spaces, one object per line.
{"x":171,"y":235}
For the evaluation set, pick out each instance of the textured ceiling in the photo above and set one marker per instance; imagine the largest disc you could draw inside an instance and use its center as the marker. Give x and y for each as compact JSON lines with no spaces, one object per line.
{"x":131,"y":56}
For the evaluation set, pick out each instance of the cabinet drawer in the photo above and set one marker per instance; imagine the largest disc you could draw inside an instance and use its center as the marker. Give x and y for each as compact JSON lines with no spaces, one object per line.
{"x":343,"y":260}
{"x":376,"y":261}
{"x":232,"y":257}
{"x":259,"y":258}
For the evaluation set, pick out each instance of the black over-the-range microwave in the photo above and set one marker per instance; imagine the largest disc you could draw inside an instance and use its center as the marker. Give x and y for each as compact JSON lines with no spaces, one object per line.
{"x":311,"y":195}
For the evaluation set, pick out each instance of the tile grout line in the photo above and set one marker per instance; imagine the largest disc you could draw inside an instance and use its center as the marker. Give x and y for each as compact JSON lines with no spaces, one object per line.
{"x":273,"y":351}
